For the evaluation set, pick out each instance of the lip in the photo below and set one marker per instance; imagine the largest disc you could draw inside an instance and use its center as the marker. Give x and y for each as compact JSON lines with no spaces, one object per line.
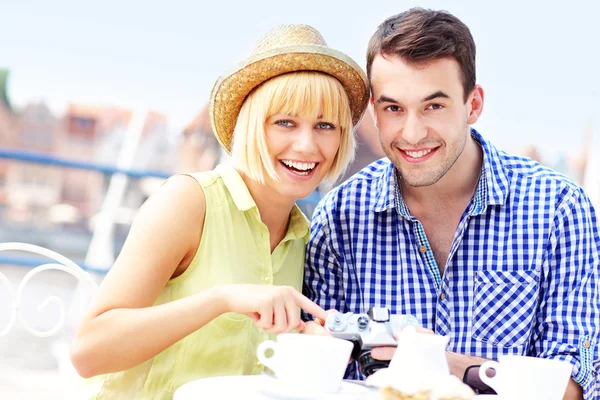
{"x":296,"y":177}
{"x":419,"y":160}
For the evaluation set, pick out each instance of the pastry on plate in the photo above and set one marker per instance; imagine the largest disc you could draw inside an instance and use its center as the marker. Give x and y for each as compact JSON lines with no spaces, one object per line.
{"x":393,"y":387}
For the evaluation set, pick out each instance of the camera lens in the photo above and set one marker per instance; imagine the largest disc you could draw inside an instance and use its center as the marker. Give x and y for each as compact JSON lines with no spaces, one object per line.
{"x":368,"y":365}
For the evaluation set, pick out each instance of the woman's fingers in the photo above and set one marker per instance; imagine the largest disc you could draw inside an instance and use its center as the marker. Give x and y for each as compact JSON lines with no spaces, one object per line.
{"x":279,"y":310}
{"x":280,"y":319}
{"x":293,"y":316}
{"x":310,"y":307}
{"x":266,"y":316}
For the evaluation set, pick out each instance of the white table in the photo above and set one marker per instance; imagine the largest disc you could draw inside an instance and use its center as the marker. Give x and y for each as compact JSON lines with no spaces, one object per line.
{"x":261,"y":387}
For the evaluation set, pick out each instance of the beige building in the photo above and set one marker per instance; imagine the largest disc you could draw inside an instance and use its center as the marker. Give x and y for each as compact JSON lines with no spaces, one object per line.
{"x":32,"y":188}
{"x":198,"y":149}
{"x":8,"y":132}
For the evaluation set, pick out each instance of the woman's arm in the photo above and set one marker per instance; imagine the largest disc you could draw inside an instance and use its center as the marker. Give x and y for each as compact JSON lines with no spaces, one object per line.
{"x":122,"y":329}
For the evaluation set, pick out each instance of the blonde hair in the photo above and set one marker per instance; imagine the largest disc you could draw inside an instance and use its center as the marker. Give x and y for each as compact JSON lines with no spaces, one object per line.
{"x":295,"y":93}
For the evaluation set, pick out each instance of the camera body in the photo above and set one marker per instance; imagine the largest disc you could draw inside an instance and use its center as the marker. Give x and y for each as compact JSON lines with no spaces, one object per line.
{"x":376,"y":328}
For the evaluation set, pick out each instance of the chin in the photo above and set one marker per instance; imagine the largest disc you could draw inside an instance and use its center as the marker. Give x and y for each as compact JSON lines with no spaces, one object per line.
{"x":415,"y":180}
{"x":296,"y":192}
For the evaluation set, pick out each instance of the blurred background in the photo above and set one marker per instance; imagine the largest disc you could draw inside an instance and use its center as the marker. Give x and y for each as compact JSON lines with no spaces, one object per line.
{"x":99,"y":103}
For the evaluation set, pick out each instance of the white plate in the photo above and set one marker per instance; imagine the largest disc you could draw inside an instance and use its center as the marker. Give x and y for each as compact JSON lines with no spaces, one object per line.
{"x":278,"y":390}
{"x":487,"y":397}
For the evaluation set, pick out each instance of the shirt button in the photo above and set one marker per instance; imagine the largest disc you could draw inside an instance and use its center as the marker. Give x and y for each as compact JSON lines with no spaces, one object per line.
{"x":423,"y":249}
{"x":442,"y":296}
{"x":267,"y":279}
{"x":258,"y":364}
{"x":587,"y":344}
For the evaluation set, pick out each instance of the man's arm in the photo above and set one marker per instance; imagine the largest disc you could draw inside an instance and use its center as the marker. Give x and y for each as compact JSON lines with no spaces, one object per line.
{"x":323,"y":271}
{"x":567,"y":325}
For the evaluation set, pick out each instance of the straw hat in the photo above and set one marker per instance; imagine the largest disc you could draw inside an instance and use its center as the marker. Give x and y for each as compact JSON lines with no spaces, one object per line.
{"x":287,"y":48}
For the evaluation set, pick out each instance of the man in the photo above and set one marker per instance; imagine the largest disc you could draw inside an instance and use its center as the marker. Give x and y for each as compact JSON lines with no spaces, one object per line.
{"x":496,"y":251}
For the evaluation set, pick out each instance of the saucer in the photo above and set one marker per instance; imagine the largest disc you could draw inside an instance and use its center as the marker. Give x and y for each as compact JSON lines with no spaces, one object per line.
{"x":278,"y":390}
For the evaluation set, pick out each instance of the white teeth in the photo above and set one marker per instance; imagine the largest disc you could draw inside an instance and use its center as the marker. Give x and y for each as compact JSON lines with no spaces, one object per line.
{"x":418,"y":154}
{"x":302,"y":166}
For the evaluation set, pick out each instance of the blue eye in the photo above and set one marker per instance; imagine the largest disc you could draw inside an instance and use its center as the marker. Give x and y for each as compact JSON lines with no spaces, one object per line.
{"x":325,"y":125}
{"x":285,"y":123}
{"x":435,"y":106}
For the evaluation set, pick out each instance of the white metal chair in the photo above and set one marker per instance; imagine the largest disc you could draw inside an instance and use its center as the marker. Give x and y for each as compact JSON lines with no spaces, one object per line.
{"x":86,"y":284}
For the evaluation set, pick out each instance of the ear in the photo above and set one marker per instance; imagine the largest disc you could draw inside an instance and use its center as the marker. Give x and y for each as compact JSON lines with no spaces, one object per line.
{"x":475,"y":104}
{"x":372,"y":111}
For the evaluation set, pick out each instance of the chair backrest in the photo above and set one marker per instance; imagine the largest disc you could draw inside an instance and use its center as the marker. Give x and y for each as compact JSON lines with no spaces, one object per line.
{"x":59,"y":262}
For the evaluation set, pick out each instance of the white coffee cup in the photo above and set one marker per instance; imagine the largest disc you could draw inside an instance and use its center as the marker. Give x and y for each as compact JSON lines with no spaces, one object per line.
{"x":307,"y":363}
{"x":527,"y":378}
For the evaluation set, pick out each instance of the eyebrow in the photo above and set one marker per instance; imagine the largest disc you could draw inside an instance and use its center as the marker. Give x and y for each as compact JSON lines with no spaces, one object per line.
{"x":385,"y":99}
{"x":439,"y":93}
{"x":435,"y":95}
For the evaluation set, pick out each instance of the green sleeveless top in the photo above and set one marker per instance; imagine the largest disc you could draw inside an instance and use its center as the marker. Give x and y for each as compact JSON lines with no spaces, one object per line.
{"x":234,"y":248}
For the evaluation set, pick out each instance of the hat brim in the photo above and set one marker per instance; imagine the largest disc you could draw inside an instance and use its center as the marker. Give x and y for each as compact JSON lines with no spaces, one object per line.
{"x":232,"y":88}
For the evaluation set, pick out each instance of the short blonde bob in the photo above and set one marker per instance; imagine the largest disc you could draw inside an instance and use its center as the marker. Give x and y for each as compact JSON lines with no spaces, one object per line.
{"x":305,"y":93}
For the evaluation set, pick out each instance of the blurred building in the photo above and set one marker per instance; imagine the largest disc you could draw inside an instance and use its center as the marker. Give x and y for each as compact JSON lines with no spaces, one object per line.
{"x":33,"y":188}
{"x":590,"y":176}
{"x":90,"y":134}
{"x":8,"y":131}
{"x":199,"y":149}
{"x":96,"y":134}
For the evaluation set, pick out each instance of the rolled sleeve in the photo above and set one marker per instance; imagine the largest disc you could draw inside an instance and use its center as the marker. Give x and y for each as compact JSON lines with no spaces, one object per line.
{"x":569,"y":319}
{"x":585,"y":373}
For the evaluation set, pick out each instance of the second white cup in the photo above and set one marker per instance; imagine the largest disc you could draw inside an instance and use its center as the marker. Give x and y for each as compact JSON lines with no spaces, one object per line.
{"x":527,"y":378}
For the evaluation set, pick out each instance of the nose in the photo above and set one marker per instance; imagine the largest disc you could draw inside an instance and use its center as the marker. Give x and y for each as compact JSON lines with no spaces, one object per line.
{"x":306,"y":140}
{"x":414,"y":130}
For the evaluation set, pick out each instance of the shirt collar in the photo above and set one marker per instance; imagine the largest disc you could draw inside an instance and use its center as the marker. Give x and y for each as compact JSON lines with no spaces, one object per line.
{"x":298,"y":225}
{"x":491,"y":190}
{"x":385,"y":196}
{"x":495,"y":181}
{"x":236,"y":186}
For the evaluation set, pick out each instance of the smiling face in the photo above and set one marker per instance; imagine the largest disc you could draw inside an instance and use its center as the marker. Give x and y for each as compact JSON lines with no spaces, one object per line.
{"x":422,"y":116}
{"x":303,"y":149}
{"x":294,"y":131}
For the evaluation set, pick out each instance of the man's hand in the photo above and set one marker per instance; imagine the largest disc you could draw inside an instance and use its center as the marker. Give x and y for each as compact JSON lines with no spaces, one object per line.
{"x":387,"y":353}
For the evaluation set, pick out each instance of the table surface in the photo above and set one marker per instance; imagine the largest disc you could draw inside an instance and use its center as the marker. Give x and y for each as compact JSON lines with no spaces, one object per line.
{"x":262,"y":387}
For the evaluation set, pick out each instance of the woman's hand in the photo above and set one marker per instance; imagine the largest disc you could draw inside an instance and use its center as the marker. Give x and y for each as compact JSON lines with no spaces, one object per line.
{"x":317,"y":327}
{"x":273,"y":308}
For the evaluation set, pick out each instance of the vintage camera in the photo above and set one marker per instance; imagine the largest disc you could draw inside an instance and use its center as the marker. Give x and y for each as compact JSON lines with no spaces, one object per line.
{"x":376,"y":328}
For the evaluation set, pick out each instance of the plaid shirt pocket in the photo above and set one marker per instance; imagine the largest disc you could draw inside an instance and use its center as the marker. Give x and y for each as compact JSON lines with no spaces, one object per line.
{"x":504,"y":307}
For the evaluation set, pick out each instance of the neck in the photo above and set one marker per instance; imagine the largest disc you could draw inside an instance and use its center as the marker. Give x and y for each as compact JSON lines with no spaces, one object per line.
{"x":273,"y":208}
{"x":458,"y":183}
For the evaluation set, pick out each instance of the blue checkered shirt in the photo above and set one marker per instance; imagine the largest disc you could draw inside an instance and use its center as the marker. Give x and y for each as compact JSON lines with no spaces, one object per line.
{"x":521,"y":278}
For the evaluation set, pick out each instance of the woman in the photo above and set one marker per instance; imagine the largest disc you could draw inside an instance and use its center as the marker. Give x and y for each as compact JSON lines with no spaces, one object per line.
{"x":214,"y":261}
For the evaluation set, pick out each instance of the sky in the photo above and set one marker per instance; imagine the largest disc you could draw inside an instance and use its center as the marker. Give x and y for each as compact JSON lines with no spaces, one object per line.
{"x":538,"y":61}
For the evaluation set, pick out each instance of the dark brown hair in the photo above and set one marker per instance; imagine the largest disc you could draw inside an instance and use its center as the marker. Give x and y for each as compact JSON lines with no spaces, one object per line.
{"x":419,"y":35}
